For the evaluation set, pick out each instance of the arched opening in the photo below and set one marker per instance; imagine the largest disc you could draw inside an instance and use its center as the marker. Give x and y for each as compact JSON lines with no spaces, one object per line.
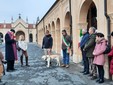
{"x":30,"y":37}
{"x":49,"y":28}
{"x":87,"y":18}
{"x":46,"y":28}
{"x":18,"y":33}
{"x":1,"y":37}
{"x":53,"y":35}
{"x":67,"y":22}
{"x":88,"y":15}
{"x":58,"y":38}
{"x":92,"y":16}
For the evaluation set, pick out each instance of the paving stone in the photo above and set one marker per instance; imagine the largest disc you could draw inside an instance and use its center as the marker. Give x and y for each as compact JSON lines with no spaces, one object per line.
{"x":39,"y":74}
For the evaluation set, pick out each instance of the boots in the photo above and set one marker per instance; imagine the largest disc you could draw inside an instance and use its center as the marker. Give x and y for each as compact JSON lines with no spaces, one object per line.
{"x":21,"y":59}
{"x":27,"y":61}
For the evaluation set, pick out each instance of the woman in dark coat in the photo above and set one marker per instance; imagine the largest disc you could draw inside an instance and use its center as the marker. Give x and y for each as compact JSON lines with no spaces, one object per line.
{"x":111,"y":55}
{"x":10,"y":50}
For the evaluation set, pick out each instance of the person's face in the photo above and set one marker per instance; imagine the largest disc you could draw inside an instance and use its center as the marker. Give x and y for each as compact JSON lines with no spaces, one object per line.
{"x":12,"y":33}
{"x":83,"y":32}
{"x":63,"y":33}
{"x":47,"y":32}
{"x":97,"y":38}
{"x":111,"y":37}
{"x":90,"y":31}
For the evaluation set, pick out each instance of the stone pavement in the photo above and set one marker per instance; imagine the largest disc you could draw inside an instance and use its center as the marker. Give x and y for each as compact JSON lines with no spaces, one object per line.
{"x":39,"y":74}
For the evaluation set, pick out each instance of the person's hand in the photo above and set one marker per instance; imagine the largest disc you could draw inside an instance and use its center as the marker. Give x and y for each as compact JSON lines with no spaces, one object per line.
{"x":83,"y":49}
{"x":4,"y":62}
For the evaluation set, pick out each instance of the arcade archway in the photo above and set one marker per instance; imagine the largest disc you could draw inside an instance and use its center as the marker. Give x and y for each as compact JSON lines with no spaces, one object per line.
{"x":18,"y":33}
{"x":88,"y":14}
{"x":67,"y":23}
{"x":58,"y":38}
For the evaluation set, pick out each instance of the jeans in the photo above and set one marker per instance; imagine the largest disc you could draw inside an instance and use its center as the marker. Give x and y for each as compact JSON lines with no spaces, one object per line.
{"x":65,"y":57}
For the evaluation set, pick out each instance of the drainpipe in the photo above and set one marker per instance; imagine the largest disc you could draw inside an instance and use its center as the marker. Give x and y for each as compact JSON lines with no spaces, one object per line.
{"x":37,"y":22}
{"x":108,"y":30}
{"x":70,"y":18}
{"x":71,"y":34}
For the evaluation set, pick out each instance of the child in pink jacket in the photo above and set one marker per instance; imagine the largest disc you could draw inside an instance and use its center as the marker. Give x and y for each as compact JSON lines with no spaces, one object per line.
{"x":99,"y":59}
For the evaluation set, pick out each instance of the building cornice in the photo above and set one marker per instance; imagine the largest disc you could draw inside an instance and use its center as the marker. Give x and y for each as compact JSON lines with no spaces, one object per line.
{"x":49,"y":10}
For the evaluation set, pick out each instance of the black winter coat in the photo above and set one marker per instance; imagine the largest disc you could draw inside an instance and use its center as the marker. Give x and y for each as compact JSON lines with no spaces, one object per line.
{"x":47,"y":42}
{"x":9,"y":52}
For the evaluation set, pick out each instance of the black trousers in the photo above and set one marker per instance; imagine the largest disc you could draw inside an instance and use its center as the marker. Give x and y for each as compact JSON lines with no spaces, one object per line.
{"x":10,"y":65}
{"x":101,"y":71}
{"x":85,"y":62}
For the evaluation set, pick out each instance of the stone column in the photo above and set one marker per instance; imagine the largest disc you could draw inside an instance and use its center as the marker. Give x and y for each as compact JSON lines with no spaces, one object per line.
{"x":54,"y":43}
{"x":58,"y":41}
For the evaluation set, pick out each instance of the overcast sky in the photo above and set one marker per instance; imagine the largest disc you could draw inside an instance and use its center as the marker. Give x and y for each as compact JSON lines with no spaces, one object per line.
{"x":27,"y":8}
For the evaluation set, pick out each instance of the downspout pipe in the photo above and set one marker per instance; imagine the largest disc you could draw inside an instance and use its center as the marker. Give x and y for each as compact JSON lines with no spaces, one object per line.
{"x":108,"y":29}
{"x":70,"y":18}
{"x":71,"y":33}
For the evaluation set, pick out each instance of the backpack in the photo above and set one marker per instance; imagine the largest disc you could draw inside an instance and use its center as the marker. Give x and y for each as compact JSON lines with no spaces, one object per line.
{"x":108,"y":49}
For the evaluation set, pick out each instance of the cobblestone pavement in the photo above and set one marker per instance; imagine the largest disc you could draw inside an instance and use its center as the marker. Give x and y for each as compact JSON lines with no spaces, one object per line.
{"x":39,"y":74}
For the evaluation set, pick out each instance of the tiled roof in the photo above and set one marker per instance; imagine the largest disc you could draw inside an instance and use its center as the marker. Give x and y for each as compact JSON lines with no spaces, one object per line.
{"x":1,"y":25}
{"x":8,"y":25}
{"x":30,"y":25}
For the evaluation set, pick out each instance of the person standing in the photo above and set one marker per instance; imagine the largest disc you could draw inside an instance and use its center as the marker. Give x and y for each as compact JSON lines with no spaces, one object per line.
{"x":1,"y":66}
{"x":10,"y":50}
{"x":82,"y":44}
{"x":23,"y":48}
{"x":47,"y":43}
{"x":66,"y":45}
{"x":110,"y":55}
{"x":99,"y":58}
{"x":89,"y":48}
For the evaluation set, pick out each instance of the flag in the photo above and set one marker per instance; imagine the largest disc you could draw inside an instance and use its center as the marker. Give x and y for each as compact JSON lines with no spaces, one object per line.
{"x":80,"y":37}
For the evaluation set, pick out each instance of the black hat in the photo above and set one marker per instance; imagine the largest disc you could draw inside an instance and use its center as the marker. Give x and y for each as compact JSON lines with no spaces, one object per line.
{"x":12,"y":30}
{"x":111,"y":33}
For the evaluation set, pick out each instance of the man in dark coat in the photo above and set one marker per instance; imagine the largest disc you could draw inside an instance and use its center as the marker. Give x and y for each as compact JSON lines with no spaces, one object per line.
{"x":82,"y":44}
{"x":10,"y":50}
{"x":89,"y":48}
{"x":66,"y":46}
{"x":47,"y":43}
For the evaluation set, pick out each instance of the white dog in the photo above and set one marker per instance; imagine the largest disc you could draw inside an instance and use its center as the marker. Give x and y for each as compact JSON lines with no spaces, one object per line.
{"x":49,"y":57}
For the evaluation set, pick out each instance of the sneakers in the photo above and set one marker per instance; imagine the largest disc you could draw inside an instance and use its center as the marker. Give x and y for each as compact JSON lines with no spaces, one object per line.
{"x":63,"y":65}
{"x":67,"y":66}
